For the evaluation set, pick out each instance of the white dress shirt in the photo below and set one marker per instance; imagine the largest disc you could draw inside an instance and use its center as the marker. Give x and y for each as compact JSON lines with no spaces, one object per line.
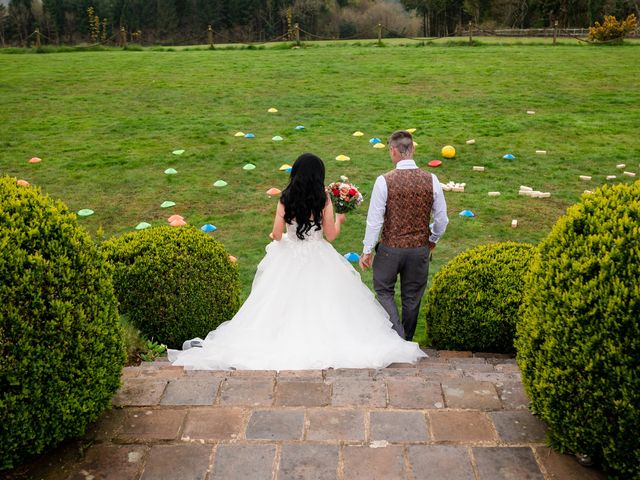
{"x":378,"y":206}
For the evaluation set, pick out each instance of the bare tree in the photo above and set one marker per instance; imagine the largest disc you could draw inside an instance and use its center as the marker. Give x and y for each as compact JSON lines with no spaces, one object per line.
{"x":4,"y":16}
{"x":21,"y":16}
{"x":69,"y":25}
{"x":37,"y":11}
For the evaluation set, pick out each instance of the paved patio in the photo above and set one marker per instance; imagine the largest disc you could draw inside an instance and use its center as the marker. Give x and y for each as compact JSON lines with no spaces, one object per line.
{"x":454,"y":416}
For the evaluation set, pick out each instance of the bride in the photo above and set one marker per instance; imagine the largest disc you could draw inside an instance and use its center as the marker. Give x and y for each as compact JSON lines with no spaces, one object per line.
{"x":308,"y":308}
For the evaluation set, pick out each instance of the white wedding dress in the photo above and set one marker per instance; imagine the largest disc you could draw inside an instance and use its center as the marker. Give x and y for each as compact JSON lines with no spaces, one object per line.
{"x":308,"y":309}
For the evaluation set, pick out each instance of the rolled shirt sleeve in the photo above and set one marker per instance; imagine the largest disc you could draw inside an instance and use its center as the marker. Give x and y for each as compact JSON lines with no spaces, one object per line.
{"x":375,"y":216}
{"x":438,"y":212}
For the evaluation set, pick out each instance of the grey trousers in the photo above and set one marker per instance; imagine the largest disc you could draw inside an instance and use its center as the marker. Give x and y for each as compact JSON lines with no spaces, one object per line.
{"x":412,"y":264}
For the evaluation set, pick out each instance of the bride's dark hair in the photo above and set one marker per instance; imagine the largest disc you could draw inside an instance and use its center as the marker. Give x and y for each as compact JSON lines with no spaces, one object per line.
{"x":305,"y":197}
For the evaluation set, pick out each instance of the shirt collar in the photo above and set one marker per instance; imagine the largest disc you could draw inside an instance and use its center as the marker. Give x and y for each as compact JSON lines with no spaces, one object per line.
{"x":406,"y":164}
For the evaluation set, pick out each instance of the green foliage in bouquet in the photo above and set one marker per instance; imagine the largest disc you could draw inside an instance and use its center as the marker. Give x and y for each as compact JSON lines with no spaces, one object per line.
{"x":579,"y":337}
{"x":152,"y":351}
{"x":61,"y":346}
{"x":474,"y":299}
{"x":173,"y":283}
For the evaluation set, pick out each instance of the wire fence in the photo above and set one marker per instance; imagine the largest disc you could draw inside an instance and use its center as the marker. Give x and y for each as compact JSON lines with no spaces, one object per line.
{"x":297,"y":35}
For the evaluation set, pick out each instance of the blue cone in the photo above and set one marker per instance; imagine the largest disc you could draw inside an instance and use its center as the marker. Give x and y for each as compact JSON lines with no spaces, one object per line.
{"x":509,"y":156}
{"x":300,"y":127}
{"x":249,"y":135}
{"x":207,"y":227}
{"x":375,"y":140}
{"x":467,"y":213}
{"x":288,"y":170}
{"x":352,"y":257}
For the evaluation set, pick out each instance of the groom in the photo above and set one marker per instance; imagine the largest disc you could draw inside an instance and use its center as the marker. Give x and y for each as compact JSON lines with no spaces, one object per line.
{"x":402,"y":203}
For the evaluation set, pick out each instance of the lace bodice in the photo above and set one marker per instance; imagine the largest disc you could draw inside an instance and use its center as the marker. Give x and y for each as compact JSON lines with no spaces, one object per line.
{"x":311,"y":235}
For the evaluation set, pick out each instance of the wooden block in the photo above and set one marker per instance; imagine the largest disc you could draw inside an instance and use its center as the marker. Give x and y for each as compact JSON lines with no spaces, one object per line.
{"x":478,"y":169}
{"x":620,"y":165}
{"x":523,"y":187}
{"x":514,"y":223}
{"x":457,"y":189}
{"x":541,"y":152}
{"x":586,"y":178}
{"x":611,"y":177}
{"x":471,"y":142}
{"x":494,"y":194}
{"x":629,"y":174}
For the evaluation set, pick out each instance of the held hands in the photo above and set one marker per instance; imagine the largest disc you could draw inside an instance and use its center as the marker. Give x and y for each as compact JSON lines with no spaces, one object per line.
{"x":366,"y":260}
{"x":340,"y":218}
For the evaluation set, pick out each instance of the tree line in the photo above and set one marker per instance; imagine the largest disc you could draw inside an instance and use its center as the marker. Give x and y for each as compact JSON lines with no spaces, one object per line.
{"x":187,"y":21}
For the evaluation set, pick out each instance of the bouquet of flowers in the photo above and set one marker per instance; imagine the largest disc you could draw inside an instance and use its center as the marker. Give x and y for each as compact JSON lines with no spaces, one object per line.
{"x":344,"y":195}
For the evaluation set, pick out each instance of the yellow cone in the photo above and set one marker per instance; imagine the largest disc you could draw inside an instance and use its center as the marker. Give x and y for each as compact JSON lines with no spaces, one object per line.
{"x":358,"y":134}
{"x":272,"y":110}
{"x":411,"y":130}
{"x":239,"y":134}
{"x":285,"y":167}
{"x":448,"y":151}
{"x":379,"y":145}
{"x":342,"y":158}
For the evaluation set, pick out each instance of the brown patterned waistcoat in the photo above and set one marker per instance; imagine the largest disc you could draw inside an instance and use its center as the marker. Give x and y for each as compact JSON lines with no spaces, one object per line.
{"x":409,"y":203}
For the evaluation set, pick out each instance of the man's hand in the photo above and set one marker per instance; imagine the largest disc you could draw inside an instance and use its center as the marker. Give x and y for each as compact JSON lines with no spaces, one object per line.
{"x":366,"y":260}
{"x":432,"y":246}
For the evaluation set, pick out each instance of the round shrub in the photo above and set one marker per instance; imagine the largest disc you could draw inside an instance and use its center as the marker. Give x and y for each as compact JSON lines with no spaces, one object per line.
{"x":579,"y":337}
{"x":173,"y":283}
{"x":61,"y":346}
{"x":474,"y":299}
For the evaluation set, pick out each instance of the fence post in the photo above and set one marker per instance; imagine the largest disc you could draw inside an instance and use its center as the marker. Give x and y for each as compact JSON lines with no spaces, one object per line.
{"x":470,"y":34}
{"x":37,"y":38}
{"x":296,"y":27}
{"x":555,"y":31}
{"x":379,"y":34}
{"x":210,"y":35}
{"x":123,"y":37}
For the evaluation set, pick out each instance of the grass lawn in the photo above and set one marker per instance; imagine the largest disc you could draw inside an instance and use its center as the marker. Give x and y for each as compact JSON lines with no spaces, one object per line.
{"x":105,"y":125}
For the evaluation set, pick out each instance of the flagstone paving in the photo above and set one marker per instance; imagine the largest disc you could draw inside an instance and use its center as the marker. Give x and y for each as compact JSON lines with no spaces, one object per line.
{"x":453,"y":416}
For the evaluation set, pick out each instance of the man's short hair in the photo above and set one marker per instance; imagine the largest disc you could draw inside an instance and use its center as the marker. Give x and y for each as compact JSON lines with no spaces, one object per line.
{"x":402,"y":141}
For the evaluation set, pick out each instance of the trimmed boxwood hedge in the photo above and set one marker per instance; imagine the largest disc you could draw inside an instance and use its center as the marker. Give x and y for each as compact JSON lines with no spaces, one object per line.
{"x":173,"y":283}
{"x":474,"y":299}
{"x":61,"y":346}
{"x":579,"y":338}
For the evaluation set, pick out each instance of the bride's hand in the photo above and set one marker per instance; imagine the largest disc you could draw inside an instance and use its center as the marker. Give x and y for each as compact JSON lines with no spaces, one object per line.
{"x":341,"y":218}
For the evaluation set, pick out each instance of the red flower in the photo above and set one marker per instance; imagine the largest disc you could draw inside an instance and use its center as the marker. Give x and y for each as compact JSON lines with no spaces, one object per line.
{"x":353,"y":192}
{"x":336,"y":192}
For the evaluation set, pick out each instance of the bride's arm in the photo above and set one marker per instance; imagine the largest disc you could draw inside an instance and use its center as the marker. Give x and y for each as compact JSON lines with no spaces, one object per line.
{"x":278,"y":223}
{"x":331,"y":228}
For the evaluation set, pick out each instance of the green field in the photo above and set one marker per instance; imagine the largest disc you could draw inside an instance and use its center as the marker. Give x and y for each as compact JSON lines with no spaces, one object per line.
{"x":105,"y":125}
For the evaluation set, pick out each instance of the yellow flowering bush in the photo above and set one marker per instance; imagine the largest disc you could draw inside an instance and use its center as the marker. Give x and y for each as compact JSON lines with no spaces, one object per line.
{"x":612,"y":29}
